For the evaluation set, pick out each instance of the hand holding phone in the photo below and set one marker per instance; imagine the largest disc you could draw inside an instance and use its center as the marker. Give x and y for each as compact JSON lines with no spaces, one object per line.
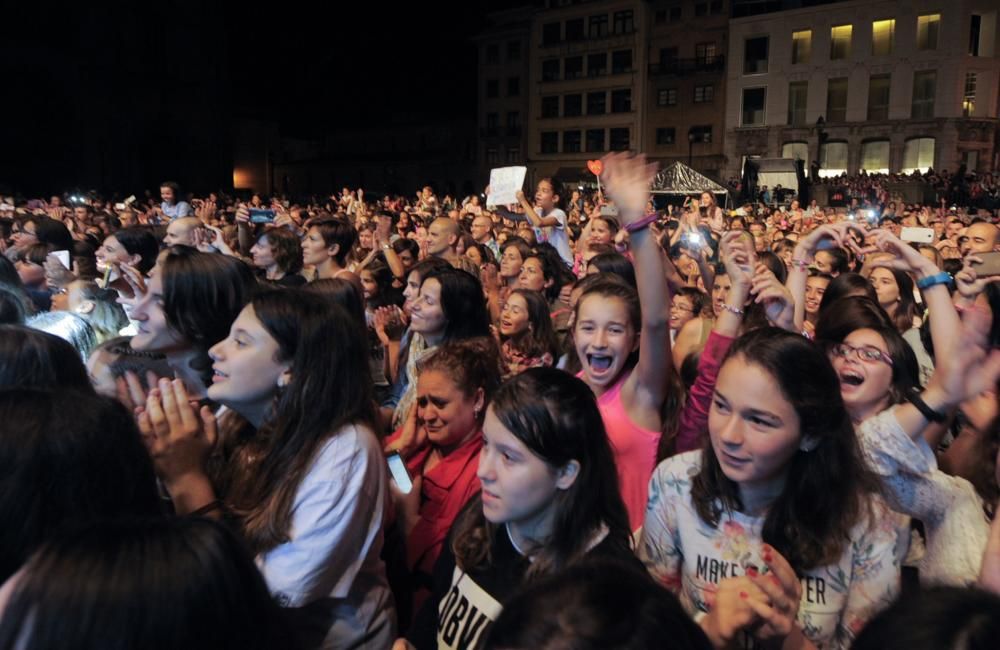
{"x":258,"y":215}
{"x":986,"y":264}
{"x":399,"y":474}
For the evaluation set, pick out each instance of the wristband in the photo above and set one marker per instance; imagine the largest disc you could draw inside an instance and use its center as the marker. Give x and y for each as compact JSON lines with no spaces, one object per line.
{"x":801,"y":265}
{"x":642,"y":223}
{"x":932,"y":280}
{"x":732,"y":310}
{"x":925,"y":410}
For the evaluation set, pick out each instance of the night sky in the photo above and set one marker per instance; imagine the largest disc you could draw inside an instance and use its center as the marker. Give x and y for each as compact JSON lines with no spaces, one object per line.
{"x":95,"y":97}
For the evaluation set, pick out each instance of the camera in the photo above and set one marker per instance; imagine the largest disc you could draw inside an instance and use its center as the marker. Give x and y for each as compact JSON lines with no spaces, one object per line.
{"x":694,"y":239}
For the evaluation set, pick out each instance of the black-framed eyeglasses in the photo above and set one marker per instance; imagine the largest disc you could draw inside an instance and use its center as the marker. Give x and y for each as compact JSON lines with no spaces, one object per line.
{"x":865,"y":353}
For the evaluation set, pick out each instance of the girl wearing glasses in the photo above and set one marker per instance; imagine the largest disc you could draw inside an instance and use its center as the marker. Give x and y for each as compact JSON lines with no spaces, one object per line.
{"x":877,"y":373}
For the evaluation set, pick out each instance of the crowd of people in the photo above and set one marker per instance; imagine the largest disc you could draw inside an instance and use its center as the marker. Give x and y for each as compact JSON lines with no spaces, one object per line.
{"x":963,"y":187}
{"x":580,"y":420}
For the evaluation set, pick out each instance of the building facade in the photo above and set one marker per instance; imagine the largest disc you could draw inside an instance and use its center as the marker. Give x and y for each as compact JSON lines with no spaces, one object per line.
{"x":686,"y":74}
{"x":606,"y":75}
{"x":504,"y":92}
{"x":876,"y":85}
{"x":586,"y":85}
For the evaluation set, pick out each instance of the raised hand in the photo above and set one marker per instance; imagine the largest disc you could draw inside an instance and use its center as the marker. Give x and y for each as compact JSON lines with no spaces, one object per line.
{"x":971,"y":366}
{"x":135,"y":280}
{"x":739,"y":258}
{"x":627,"y":180}
{"x":831,"y":235}
{"x":56,"y":275}
{"x":777,"y":300}
{"x":968,"y":282}
{"x":906,"y":258}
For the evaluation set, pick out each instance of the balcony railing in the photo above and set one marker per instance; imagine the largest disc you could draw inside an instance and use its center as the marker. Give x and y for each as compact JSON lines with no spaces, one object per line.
{"x":688,"y":66}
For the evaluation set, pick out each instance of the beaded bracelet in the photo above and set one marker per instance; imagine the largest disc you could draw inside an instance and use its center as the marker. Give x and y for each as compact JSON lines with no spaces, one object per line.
{"x":732,"y":310}
{"x":801,"y":265}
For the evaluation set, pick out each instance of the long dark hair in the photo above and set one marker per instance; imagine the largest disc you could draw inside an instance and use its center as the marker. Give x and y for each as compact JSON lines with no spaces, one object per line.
{"x":66,"y":458}
{"x":160,"y":584}
{"x":828,"y":489}
{"x":330,"y":388}
{"x":615,"y":263}
{"x":343,"y":293}
{"x":856,"y":312}
{"x":30,"y":357}
{"x":540,"y":337}
{"x":52,"y":232}
{"x":387,"y":294}
{"x":839,"y":318}
{"x":139,"y":240}
{"x":555,"y":415}
{"x":203,"y":293}
{"x":846,"y":285}
{"x":930,"y":619}
{"x":906,"y":307}
{"x":462,"y":303}
{"x":585,"y":608}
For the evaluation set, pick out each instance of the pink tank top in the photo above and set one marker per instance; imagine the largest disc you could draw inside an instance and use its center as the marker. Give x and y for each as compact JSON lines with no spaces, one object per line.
{"x":634,"y":449}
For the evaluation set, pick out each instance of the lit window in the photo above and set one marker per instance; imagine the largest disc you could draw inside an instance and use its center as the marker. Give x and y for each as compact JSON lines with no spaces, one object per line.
{"x":927,"y":31}
{"x":801,"y":46}
{"x":882,"y":36}
{"x":833,"y":159}
{"x":969,"y":95}
{"x":875,"y":157}
{"x":840,"y":42}
{"x":918,"y":155}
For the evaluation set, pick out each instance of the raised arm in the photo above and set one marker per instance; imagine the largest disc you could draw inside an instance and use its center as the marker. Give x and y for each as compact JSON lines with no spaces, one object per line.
{"x":805,"y":252}
{"x":627,"y":180}
{"x":529,"y":212}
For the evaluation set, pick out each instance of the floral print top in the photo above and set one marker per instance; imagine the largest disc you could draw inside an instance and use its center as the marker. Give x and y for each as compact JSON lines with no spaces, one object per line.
{"x":691,"y":557}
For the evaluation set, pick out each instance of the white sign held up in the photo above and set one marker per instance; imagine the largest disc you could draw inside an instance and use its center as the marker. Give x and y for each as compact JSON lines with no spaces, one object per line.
{"x":504,"y":185}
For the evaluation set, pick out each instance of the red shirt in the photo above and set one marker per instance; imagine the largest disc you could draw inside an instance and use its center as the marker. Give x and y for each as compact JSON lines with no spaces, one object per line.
{"x":446,"y":488}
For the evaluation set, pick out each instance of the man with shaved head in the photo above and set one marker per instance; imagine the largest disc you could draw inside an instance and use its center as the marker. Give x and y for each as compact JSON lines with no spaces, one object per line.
{"x":442,"y":238}
{"x":180,"y":232}
{"x":980,"y":237}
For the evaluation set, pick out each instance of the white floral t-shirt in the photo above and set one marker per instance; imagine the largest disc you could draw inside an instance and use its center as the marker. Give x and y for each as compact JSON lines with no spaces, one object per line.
{"x":690,"y":557}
